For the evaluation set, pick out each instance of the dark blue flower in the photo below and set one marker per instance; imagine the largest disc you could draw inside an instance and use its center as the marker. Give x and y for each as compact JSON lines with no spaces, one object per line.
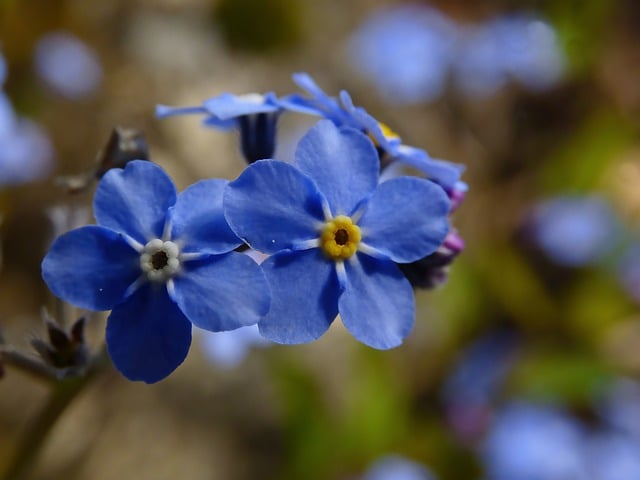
{"x":255,"y":115}
{"x":335,"y":235}
{"x":344,"y":113}
{"x":161,"y":262}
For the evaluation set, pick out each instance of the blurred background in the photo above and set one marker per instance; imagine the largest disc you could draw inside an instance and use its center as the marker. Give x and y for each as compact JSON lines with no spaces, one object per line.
{"x":524,"y":365}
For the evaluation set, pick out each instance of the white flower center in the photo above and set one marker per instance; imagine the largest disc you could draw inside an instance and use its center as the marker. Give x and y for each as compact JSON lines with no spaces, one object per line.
{"x":160,"y":260}
{"x":252,"y":98}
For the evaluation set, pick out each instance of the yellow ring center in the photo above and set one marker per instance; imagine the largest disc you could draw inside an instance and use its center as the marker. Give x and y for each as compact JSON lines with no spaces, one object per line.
{"x":340,"y":238}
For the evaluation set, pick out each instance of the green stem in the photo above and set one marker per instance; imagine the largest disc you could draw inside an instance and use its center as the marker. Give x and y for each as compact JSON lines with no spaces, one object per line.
{"x":62,"y":394}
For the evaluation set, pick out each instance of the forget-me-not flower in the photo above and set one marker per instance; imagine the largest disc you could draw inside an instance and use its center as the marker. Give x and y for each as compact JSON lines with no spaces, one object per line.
{"x":406,"y":51}
{"x":574,"y":231}
{"x":514,"y":46}
{"x":344,"y":113}
{"x":335,"y":234}
{"x":254,"y":114}
{"x":68,"y":66}
{"x":530,"y":442}
{"x":161,"y":262}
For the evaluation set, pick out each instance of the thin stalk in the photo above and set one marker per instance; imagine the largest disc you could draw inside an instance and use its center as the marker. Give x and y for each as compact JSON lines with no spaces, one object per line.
{"x":62,"y":394}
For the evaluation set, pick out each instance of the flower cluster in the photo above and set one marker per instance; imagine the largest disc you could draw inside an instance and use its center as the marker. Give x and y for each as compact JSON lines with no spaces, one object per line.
{"x":335,"y":226}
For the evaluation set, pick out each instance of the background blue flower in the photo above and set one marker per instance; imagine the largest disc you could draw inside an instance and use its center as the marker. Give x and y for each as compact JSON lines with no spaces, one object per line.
{"x":395,"y":467}
{"x":67,"y":65}
{"x":574,"y":230}
{"x":310,"y":218}
{"x":160,"y":262}
{"x":406,"y":51}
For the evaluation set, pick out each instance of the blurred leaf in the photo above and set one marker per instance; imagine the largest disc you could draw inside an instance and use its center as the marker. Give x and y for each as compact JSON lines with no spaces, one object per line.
{"x":376,"y":414}
{"x":581,"y":25}
{"x":595,"y":305}
{"x":579,"y":165}
{"x":259,"y":26}
{"x":559,"y":376}
{"x":307,"y":422}
{"x":514,"y":286}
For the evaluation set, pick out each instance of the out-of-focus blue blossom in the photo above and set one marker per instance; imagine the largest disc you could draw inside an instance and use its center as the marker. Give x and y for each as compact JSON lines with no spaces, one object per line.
{"x":26,"y":153}
{"x":573,"y":231}
{"x":409,"y":52}
{"x":511,"y":47}
{"x":612,"y":456}
{"x":395,"y":467}
{"x":160,"y":261}
{"x":67,"y":65}
{"x":472,"y":389}
{"x":254,"y":114}
{"x":406,"y":51}
{"x":530,"y":442}
{"x":228,"y":349}
{"x":335,"y":235}
{"x":344,"y":113}
{"x":629,"y":272}
{"x":620,"y":409}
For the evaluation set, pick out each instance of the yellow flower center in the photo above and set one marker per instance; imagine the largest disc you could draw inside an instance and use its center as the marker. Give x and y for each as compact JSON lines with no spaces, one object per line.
{"x":386,"y":132}
{"x":340,"y":238}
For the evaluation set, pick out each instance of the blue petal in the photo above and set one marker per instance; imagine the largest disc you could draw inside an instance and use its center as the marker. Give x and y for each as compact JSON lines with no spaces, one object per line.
{"x":147,"y":335}
{"x":222,"y":292}
{"x":223,"y":125}
{"x":135,"y":200}
{"x":228,"y":106}
{"x":301,"y":104}
{"x":440,"y":171}
{"x":343,"y":163}
{"x":304,"y":81}
{"x":304,"y":296}
{"x":91,"y":267}
{"x":272,"y":206}
{"x":406,"y":219}
{"x":377,"y":306}
{"x":198,"y":221}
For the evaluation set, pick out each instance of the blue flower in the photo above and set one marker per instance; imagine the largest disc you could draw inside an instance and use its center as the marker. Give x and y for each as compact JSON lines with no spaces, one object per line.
{"x":574,"y":231}
{"x":344,"y":113}
{"x":255,"y":115}
{"x":335,"y":235}
{"x":405,"y":51}
{"x":395,"y":467}
{"x":534,"y":442}
{"x":161,"y":262}
{"x":26,"y":154}
{"x":513,"y":46}
{"x":67,"y":65}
